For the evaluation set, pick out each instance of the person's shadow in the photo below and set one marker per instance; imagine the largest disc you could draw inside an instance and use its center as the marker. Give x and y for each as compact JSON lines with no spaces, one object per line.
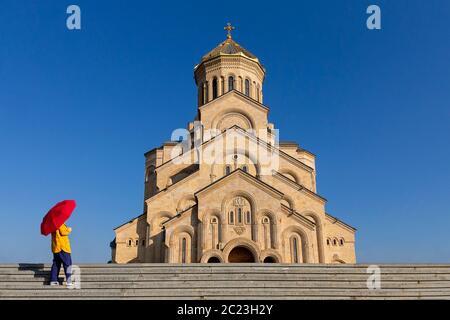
{"x":37,"y":269}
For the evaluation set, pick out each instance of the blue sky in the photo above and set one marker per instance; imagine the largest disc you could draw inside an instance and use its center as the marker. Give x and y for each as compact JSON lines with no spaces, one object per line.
{"x":78,"y":109}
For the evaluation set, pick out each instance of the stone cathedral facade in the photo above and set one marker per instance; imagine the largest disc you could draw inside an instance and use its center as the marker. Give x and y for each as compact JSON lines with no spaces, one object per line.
{"x":227,"y":190}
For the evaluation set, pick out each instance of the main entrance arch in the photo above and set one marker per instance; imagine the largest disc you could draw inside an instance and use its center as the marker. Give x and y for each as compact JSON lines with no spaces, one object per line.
{"x":241,"y":254}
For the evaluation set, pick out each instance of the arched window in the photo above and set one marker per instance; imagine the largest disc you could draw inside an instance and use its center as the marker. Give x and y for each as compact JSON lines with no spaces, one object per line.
{"x":257,"y":94}
{"x":328,"y":242}
{"x":137,"y":242}
{"x":239,"y":215}
{"x":231,"y":217}
{"x":247,"y":87}
{"x":214,"y":88}
{"x":214,"y":220}
{"x":227,"y":170}
{"x":183,"y":250}
{"x":143,"y":242}
{"x":245,"y":169}
{"x":130,"y":242}
{"x":248,"y":217}
{"x":334,"y":242}
{"x":341,"y":242}
{"x":230,"y":83}
{"x":294,"y":249}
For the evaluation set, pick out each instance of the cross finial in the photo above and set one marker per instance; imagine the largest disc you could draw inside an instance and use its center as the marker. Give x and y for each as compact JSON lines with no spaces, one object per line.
{"x":229,"y":28}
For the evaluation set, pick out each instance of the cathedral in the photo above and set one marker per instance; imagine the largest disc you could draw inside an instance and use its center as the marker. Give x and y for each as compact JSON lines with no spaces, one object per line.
{"x":226,"y":189}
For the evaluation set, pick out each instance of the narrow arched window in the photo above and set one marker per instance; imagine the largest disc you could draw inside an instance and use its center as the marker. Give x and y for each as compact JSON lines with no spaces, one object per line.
{"x":239,"y":215}
{"x":244,"y":168}
{"x":247,"y":87}
{"x":248,"y":217}
{"x":295,"y":249}
{"x":227,"y":170}
{"x":231,"y":218}
{"x":334,"y":242}
{"x":230,"y":83}
{"x":328,"y":242}
{"x":130,"y":242}
{"x":214,"y":88}
{"x":341,"y":242}
{"x":137,"y":242}
{"x":183,"y":250}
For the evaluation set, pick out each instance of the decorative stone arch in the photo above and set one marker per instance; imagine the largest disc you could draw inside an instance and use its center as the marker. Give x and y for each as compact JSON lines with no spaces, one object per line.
{"x":287,"y":199}
{"x":155,"y":220}
{"x":290,"y":174}
{"x":254,"y":208}
{"x":174,"y":236}
{"x":274,"y":222}
{"x":303,"y":237}
{"x":241,"y":120}
{"x":205,"y":223}
{"x":319,"y":233}
{"x":271,"y":253}
{"x":235,"y":112}
{"x":210,"y":254}
{"x":186,"y":201}
{"x":242,"y":242}
{"x":156,"y":236}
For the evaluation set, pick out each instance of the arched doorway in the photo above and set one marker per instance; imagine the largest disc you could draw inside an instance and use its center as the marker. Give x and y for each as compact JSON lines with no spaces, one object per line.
{"x":241,"y":255}
{"x":269,"y":259}
{"x":213,"y":260}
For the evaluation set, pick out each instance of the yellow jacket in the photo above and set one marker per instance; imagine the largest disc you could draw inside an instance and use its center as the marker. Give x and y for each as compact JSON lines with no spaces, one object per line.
{"x":60,"y":240}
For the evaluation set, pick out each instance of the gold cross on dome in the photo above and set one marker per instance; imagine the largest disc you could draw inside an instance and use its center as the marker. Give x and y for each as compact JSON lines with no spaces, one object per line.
{"x":229,"y":28}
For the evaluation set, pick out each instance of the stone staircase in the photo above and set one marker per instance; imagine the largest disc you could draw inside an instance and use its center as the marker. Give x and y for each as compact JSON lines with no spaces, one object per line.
{"x":229,"y":281}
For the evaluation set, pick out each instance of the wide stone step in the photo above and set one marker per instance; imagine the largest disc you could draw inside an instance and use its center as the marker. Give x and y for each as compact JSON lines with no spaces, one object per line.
{"x":234,"y":267}
{"x":234,"y":284}
{"x":222,"y":292}
{"x":234,"y":276}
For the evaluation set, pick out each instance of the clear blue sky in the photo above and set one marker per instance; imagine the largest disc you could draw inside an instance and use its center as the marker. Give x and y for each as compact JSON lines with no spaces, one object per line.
{"x":79,"y":109}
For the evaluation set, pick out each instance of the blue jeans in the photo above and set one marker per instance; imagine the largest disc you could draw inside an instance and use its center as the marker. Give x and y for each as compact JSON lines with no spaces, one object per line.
{"x":58,"y":259}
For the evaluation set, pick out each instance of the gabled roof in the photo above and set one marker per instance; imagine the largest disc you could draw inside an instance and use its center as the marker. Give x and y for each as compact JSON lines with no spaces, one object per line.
{"x":297,"y":186}
{"x":239,"y":94}
{"x":340,"y":222}
{"x":178,"y":215}
{"x":249,"y":177}
{"x":305,"y":221}
{"x":131,"y":221}
{"x":286,"y":156}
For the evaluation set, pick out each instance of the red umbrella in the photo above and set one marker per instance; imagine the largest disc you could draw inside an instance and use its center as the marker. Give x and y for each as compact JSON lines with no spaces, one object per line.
{"x":57,"y":216}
